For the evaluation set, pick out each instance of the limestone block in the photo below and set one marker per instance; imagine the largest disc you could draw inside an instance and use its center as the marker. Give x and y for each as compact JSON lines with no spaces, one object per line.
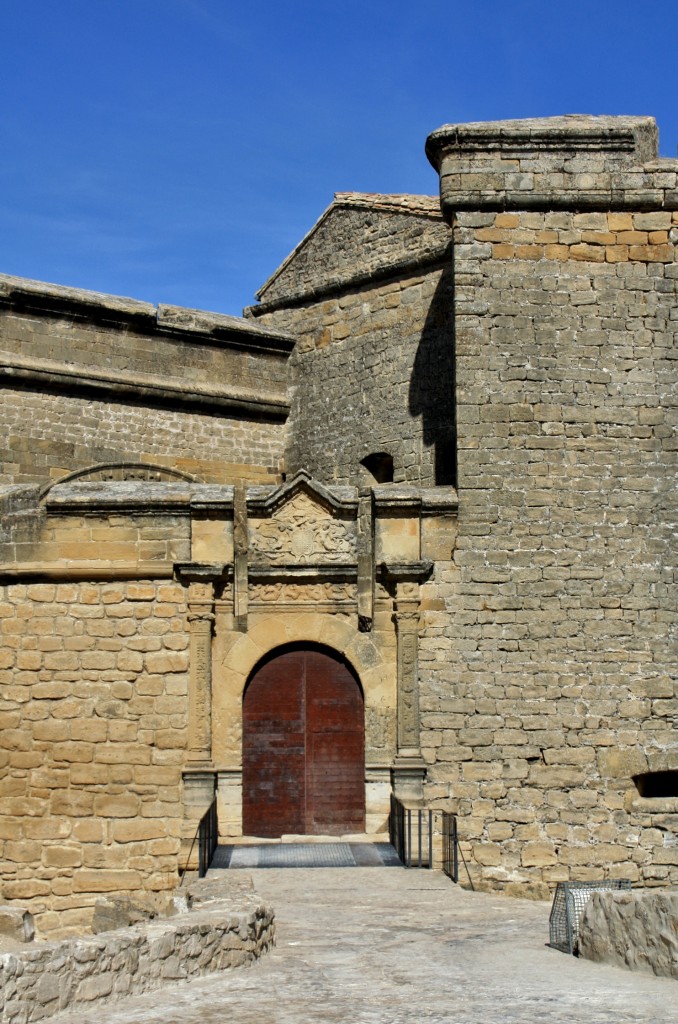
{"x":619,"y":763}
{"x":16,"y":924}
{"x":638,"y":930}
{"x":106,"y":881}
{"x":122,"y":805}
{"x":62,"y":856}
{"x":538,"y":855}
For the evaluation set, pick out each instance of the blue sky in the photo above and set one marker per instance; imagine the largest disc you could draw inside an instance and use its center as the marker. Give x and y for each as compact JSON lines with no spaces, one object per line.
{"x":177,"y":150}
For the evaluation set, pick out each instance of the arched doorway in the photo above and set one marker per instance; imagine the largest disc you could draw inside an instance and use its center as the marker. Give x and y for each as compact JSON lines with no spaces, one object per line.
{"x":303,"y":746}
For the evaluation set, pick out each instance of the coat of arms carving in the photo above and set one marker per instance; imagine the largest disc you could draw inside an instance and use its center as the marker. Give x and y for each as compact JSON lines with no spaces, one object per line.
{"x":301,"y":531}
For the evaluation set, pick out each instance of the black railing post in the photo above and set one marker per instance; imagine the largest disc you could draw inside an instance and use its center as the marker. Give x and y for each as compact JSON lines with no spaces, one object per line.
{"x":208,"y":837}
{"x":400,"y":829}
{"x":430,"y":839}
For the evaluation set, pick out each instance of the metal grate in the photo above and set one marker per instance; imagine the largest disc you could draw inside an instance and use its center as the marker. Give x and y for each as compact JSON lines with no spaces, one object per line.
{"x":306,"y":855}
{"x":568,"y":906}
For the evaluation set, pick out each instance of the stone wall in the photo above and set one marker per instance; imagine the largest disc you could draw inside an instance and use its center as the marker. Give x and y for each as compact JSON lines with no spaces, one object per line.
{"x":46,"y":435}
{"x":631,"y":929}
{"x":368,"y":298}
{"x":547,"y":656}
{"x":549,"y":683}
{"x":549,"y":680}
{"x":92,"y":379}
{"x":94,"y":683}
{"x":38,"y":982}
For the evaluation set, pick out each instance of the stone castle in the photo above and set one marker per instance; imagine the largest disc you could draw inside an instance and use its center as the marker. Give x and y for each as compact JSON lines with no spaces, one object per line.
{"x":407,"y":526}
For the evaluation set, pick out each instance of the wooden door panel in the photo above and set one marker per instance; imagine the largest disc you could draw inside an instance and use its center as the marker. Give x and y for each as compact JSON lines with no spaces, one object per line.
{"x":335,"y":759}
{"x":303,"y":748}
{"x":274,"y":749}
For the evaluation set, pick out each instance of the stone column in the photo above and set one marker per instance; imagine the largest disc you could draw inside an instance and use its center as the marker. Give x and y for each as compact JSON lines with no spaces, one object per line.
{"x":409,"y":768}
{"x":199,"y":776}
{"x":201,"y":578}
{"x":200,"y":624}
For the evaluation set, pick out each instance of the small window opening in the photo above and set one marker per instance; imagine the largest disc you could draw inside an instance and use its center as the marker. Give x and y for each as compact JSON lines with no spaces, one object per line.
{"x":380,"y":467}
{"x":657,"y":784}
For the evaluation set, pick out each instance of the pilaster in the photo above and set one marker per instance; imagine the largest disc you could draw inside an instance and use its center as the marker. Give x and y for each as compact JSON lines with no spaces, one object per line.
{"x":409,"y":768}
{"x":200,"y":578}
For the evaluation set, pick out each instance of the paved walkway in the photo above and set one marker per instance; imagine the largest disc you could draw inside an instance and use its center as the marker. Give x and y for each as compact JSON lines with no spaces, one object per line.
{"x":391,"y":946}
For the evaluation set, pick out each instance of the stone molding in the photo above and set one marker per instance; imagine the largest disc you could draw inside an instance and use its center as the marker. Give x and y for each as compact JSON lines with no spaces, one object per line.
{"x":629,"y":139}
{"x":80,"y":378}
{"x":396,"y":269}
{"x":135,"y":495}
{"x":563,"y":163}
{"x":265,"y":500}
{"x":19,"y":294}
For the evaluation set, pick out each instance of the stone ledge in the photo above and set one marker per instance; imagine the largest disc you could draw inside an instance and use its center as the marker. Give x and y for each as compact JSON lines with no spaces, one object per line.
{"x":224,"y":932}
{"x":553,"y":163}
{"x":633,"y":139}
{"x":18,"y":293}
{"x":167,"y":390}
{"x":637,"y":930}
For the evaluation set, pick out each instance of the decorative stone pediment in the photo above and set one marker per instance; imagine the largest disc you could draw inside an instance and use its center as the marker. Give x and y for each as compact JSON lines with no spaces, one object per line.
{"x":302,"y":523}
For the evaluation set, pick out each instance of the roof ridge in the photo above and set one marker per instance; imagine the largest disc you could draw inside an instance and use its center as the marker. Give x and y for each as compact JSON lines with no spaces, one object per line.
{"x":397,"y":200}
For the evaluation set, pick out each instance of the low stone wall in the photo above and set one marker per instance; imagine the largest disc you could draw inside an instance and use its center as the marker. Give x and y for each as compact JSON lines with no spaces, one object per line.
{"x":46,"y":978}
{"x":638,"y":930}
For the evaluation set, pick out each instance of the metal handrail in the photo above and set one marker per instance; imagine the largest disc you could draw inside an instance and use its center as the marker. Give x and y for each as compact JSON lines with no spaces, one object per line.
{"x":208,"y":838}
{"x":207,"y":835}
{"x":452,"y":850}
{"x":400,"y":834}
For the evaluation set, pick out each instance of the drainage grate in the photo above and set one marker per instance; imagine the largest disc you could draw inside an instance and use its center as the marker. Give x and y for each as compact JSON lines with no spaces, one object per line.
{"x":306,"y":855}
{"x":568,"y":906}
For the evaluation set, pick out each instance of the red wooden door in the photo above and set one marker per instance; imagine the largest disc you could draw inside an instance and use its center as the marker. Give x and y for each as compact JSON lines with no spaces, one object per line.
{"x":303,"y":748}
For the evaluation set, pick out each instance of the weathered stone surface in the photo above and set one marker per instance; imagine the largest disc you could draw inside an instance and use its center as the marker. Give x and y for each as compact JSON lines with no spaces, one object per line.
{"x":16,"y":924}
{"x":122,"y":911}
{"x":638,"y":930}
{"x":225,"y":932}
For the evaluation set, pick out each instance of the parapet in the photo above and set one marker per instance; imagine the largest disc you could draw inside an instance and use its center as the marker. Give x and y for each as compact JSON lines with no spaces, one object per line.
{"x":578,"y":162}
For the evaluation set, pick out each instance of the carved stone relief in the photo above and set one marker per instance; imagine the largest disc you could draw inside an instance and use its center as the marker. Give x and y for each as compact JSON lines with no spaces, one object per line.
{"x":302,"y":593}
{"x":302,"y":531}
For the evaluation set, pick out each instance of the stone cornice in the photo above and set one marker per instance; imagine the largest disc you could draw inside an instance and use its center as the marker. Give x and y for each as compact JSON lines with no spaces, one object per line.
{"x":203,"y":572}
{"x":399,"y":499}
{"x":167,"y":390}
{"x":139,"y":496}
{"x":86,"y":570}
{"x":406,"y":572}
{"x":264,"y":500}
{"x":573,"y":163}
{"x":631,"y":139}
{"x":20,"y":294}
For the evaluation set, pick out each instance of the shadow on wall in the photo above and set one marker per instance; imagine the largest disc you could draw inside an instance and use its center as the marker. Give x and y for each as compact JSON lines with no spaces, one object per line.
{"x":432,"y":387}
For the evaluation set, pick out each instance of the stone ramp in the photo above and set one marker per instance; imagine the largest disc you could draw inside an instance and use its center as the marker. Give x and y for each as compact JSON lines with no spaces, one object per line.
{"x":305,"y":855}
{"x":400,"y":946}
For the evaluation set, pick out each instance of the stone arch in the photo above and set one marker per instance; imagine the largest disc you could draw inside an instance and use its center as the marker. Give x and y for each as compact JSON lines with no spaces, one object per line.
{"x":237,"y":655}
{"x":106,"y":471}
